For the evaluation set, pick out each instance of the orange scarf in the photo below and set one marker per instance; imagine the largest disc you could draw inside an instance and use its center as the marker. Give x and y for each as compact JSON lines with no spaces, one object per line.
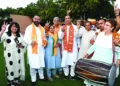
{"x":34,"y":38}
{"x":68,"y":45}
{"x":55,"y":38}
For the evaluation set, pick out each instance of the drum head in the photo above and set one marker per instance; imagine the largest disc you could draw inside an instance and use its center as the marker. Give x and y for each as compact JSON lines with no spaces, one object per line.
{"x":112,"y":75}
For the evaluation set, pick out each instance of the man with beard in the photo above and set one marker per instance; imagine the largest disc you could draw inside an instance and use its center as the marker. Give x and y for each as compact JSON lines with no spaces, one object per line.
{"x":35,"y":38}
{"x":101,"y":24}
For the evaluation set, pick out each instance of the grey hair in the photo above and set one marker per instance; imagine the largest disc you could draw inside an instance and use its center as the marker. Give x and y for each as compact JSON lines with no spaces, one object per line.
{"x":56,"y":18}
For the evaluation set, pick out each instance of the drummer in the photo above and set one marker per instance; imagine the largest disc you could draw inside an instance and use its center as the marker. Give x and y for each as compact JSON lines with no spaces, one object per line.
{"x":103,"y":47}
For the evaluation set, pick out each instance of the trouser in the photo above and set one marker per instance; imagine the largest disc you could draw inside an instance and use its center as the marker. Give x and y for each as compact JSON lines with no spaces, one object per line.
{"x":49,"y":71}
{"x":66,"y":70}
{"x":33,"y":72}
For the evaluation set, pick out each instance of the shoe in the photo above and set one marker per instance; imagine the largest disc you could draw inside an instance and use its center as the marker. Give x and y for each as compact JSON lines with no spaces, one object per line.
{"x":72,"y":77}
{"x":65,"y":77}
{"x":10,"y":85}
{"x":50,"y":79}
{"x":56,"y":76}
{"x":17,"y":82}
{"x":33,"y":84}
{"x":60,"y":72}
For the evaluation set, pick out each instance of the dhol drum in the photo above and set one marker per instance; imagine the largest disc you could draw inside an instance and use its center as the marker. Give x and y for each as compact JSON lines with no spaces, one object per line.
{"x":95,"y":71}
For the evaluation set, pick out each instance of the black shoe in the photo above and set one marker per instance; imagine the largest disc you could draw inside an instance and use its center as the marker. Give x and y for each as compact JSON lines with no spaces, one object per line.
{"x":65,"y":77}
{"x":11,"y":84}
{"x":33,"y":84}
{"x":44,"y":80}
{"x":60,"y":72}
{"x":72,"y":77}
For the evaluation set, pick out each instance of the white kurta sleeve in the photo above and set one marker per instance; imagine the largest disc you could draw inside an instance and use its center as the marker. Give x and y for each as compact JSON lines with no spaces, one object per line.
{"x":3,"y":37}
{"x":23,"y":43}
{"x":22,"y":40}
{"x":76,"y":32}
{"x":78,"y":42}
{"x":81,"y":31}
{"x":60,"y":34}
{"x":91,"y":49}
{"x":27,"y":36}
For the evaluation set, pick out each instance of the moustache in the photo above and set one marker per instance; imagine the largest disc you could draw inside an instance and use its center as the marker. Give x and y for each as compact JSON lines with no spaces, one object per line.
{"x":36,"y":23}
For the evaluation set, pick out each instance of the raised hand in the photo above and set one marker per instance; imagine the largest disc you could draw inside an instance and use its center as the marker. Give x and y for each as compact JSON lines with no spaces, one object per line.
{"x":92,"y":41}
{"x":47,"y":24}
{"x":68,"y":11}
{"x":116,"y":10}
{"x":86,"y":55}
{"x":3,"y":27}
{"x":63,"y":29}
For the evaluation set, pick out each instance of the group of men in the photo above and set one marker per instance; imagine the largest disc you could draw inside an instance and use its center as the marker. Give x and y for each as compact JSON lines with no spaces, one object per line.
{"x":35,"y":37}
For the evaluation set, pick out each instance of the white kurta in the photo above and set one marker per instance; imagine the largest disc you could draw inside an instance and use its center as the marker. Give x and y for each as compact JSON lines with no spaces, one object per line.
{"x":35,"y":60}
{"x":81,"y":29}
{"x":103,"y":48}
{"x":69,"y":58}
{"x":85,"y":41}
{"x":14,"y":57}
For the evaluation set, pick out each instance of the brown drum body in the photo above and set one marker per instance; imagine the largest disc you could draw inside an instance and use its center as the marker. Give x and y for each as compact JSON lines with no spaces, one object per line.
{"x":98,"y":72}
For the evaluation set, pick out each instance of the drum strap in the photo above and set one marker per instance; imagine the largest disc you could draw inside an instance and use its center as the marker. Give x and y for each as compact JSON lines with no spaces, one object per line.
{"x":113,"y":49}
{"x":113,"y":61}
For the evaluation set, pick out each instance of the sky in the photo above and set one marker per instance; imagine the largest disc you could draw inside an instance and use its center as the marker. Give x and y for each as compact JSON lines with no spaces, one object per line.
{"x":15,"y":3}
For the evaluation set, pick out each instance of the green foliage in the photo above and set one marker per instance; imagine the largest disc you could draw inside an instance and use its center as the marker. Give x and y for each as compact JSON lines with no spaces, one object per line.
{"x":48,"y":9}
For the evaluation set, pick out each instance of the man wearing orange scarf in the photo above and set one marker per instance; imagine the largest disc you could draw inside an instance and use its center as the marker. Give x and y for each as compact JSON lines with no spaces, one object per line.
{"x":35,"y":38}
{"x":69,"y":34}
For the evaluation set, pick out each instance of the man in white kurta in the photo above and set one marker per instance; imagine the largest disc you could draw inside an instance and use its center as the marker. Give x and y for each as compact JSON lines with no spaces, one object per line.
{"x":81,"y":29}
{"x":69,"y":58}
{"x":36,"y":61}
{"x":87,"y":35}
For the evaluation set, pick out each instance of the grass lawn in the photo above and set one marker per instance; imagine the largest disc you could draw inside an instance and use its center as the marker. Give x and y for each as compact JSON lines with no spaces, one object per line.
{"x":55,"y":82}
